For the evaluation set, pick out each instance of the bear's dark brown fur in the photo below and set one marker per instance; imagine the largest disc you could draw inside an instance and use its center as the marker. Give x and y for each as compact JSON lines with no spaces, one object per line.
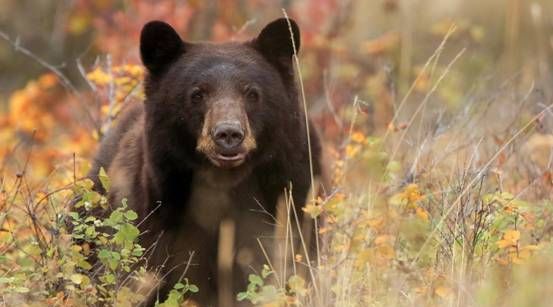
{"x":221,"y":134}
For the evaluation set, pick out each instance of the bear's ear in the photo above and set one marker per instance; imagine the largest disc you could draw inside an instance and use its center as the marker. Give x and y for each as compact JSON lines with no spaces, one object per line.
{"x":160,"y":45}
{"x":275,"y":42}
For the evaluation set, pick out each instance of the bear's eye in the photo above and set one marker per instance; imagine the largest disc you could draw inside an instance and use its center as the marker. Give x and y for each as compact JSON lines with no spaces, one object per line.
{"x":252,"y":94}
{"x":197,"y":96}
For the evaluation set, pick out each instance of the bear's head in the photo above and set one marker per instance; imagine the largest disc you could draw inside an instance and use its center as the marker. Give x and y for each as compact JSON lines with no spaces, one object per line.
{"x":220,"y":104}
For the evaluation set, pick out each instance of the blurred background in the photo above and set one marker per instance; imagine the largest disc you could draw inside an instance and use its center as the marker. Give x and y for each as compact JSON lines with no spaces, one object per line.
{"x":431,"y":110}
{"x":348,"y":46}
{"x":372,"y":50}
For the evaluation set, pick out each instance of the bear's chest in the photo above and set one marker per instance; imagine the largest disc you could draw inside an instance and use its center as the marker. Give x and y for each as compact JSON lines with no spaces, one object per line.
{"x":208,"y":205}
{"x":213,"y":197}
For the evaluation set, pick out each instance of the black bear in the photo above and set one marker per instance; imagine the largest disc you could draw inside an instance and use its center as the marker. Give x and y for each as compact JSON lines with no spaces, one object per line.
{"x":220,"y":135}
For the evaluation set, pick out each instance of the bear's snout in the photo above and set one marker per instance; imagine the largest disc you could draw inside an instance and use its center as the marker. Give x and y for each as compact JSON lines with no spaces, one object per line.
{"x":228,"y":136}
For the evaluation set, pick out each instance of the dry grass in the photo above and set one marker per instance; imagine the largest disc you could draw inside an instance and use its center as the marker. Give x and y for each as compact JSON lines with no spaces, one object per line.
{"x":447,"y":203}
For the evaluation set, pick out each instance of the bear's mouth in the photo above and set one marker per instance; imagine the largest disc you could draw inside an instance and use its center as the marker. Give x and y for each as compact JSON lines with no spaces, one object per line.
{"x":228,"y":159}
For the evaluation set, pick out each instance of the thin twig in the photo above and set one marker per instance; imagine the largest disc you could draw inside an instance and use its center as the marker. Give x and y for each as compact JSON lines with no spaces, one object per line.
{"x":476,"y":178}
{"x":65,"y":82}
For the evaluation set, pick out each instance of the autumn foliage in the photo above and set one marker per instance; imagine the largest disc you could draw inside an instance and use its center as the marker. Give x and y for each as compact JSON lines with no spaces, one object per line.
{"x":438,"y":137}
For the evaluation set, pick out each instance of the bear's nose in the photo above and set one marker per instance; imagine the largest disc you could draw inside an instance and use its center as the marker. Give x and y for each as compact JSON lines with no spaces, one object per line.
{"x":228,"y":135}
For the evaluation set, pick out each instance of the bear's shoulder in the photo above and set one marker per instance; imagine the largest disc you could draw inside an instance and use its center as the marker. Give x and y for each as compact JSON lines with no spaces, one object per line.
{"x":130,"y":121}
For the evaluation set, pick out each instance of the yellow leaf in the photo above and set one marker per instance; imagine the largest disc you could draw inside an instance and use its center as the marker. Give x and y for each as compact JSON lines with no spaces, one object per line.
{"x":386,"y":251}
{"x":531,"y":248}
{"x":323,"y":230}
{"x":443,"y":291}
{"x":502,"y":261}
{"x":512,"y":235}
{"x":517,"y":260}
{"x":352,"y":150}
{"x":78,"y":23}
{"x":363,"y":257}
{"x":421,"y":290}
{"x":412,"y":193}
{"x":358,"y":137}
{"x":77,"y":278}
{"x":477,"y":33}
{"x":297,"y":285}
{"x":313,"y":210}
{"x":510,"y":238}
{"x":375,"y":223}
{"x":383,"y":239}
{"x":76,"y":248}
{"x":422,"y":214}
{"x":99,"y":77}
{"x":396,"y":199}
{"x":503,"y":244}
{"x":47,"y":81}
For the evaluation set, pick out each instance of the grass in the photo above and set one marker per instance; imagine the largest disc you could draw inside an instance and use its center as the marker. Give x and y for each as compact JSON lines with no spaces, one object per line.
{"x":449,"y":205}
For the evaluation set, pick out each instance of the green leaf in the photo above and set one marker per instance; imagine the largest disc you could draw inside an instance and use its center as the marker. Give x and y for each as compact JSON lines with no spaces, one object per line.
{"x":266,"y":271}
{"x":507,"y":196}
{"x":126,"y":235}
{"x":6,"y":280}
{"x":487,"y":198}
{"x":131,"y":215}
{"x":104,"y":179}
{"x":33,"y":250}
{"x":90,"y":219}
{"x":21,"y":290}
{"x":25,"y":262}
{"x":109,"y":258}
{"x":73,"y":215}
{"x":255,"y":280}
{"x":90,"y":232}
{"x":137,"y":251}
{"x":173,"y":300}
{"x":109,"y":278}
{"x":270,"y":294}
{"x":393,"y":166}
{"x":242,"y":296}
{"x":83,"y":264}
{"x":193,"y":288}
{"x":103,"y":253}
{"x":115,"y":218}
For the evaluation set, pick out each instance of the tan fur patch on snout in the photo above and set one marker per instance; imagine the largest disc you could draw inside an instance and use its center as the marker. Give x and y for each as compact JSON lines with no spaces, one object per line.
{"x":205,"y":142}
{"x":206,"y":145}
{"x":249,"y":142}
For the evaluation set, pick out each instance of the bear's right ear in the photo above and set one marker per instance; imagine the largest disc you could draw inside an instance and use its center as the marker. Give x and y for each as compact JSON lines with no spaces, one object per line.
{"x":160,"y":45}
{"x":276,"y":44}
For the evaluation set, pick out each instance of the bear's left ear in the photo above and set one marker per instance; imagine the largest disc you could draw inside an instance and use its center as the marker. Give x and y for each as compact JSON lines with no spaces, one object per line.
{"x":160,"y":45}
{"x":275,"y":42}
